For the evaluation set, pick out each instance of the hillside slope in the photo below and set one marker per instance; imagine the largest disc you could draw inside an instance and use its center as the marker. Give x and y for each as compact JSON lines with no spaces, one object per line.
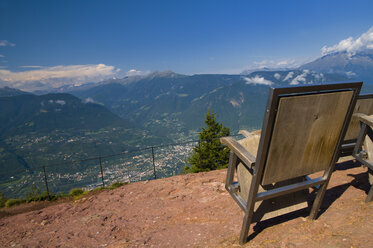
{"x":174,"y":105}
{"x":193,"y":211}
{"x":49,"y":129}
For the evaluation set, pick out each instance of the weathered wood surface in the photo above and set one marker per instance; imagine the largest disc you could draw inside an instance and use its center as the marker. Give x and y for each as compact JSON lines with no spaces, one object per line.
{"x":239,"y":150}
{"x":305,"y":134}
{"x":251,"y":141}
{"x":368,"y":147}
{"x":364,"y":106}
{"x":273,"y":207}
{"x":248,"y":134}
{"x":367,"y":119}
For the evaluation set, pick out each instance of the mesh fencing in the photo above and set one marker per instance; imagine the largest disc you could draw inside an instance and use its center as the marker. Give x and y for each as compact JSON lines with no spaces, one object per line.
{"x":129,"y":166}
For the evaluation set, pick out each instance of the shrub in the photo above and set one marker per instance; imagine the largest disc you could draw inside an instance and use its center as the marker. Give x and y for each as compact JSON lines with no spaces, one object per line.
{"x":98,"y":189}
{"x":12,"y":202}
{"x":35,"y":195}
{"x":3,"y":200}
{"x":76,"y":192}
{"x":116,"y":185}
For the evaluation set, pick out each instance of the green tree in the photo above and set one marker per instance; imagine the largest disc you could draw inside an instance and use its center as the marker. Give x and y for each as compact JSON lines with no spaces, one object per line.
{"x":209,"y":154}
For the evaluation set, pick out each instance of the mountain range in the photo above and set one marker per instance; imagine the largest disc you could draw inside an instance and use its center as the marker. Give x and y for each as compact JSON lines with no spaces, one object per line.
{"x":356,"y":66}
{"x":117,"y":115}
{"x":174,"y":105}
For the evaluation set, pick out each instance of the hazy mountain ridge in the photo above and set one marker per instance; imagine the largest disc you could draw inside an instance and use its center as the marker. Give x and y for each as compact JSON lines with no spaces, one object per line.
{"x":6,"y":91}
{"x":171,"y":104}
{"x":358,"y":65}
{"x":27,"y":113}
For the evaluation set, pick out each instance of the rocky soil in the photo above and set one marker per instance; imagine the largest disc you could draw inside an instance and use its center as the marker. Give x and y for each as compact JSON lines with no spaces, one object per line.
{"x":192,"y":211}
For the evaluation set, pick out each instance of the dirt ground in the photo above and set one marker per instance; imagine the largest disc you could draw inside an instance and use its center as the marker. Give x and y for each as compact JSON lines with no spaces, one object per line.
{"x":192,"y":211}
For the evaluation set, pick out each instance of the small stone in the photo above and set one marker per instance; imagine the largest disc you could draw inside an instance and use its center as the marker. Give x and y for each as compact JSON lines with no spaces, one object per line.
{"x":44,"y":222}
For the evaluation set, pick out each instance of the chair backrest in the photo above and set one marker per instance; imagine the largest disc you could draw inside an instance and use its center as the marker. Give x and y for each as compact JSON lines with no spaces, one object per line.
{"x":363,"y":105}
{"x":303,"y":128}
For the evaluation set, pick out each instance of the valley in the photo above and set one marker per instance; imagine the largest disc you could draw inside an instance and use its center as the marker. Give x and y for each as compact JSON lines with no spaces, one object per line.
{"x":68,"y":132}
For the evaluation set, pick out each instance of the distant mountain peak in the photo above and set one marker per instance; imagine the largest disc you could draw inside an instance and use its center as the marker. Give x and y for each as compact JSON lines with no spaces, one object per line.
{"x":167,"y":73}
{"x":7,"y":91}
{"x":357,"y":65}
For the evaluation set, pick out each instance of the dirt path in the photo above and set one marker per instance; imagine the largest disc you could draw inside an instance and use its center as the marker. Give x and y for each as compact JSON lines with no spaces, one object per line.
{"x":192,"y":211}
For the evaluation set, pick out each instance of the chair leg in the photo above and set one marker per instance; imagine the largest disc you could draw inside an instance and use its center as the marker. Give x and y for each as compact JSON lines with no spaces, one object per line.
{"x":370,"y":195}
{"x":245,"y":227}
{"x":318,"y":200}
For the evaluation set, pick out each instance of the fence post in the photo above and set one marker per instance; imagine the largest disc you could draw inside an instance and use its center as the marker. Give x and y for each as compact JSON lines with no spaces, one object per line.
{"x":102,"y":173}
{"x":128,"y":173}
{"x":46,"y":182}
{"x":155,"y":175}
{"x":199,"y":148}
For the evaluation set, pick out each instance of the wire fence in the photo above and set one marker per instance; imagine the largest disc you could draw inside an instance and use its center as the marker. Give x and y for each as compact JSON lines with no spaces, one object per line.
{"x":129,"y":166}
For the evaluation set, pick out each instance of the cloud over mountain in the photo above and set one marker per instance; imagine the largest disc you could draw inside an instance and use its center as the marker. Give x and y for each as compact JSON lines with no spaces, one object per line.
{"x":351,"y":45}
{"x":257,"y":80}
{"x":280,"y":64}
{"x":57,"y":76}
{"x":134,"y":72}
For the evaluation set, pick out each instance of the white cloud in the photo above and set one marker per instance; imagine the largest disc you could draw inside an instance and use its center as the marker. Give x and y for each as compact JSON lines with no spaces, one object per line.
{"x":89,"y":100}
{"x":257,"y":80}
{"x":318,"y":76}
{"x":277,"y":64}
{"x":289,"y":76}
{"x":281,"y":63}
{"x":351,"y":45}
{"x":6,"y":43}
{"x":134,"y":72}
{"x":301,"y":78}
{"x":57,"y":76}
{"x":350,"y":73}
{"x":277,"y":76}
{"x":2,"y":56}
{"x":31,"y":66}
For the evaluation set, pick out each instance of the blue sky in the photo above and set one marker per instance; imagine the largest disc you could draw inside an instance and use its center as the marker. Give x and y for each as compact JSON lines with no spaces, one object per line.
{"x":183,"y":36}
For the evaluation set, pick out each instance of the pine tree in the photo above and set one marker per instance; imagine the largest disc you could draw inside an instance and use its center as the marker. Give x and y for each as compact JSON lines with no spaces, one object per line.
{"x":209,"y":154}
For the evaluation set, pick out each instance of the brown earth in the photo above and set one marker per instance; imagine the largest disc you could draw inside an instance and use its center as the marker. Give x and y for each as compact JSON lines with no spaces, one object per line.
{"x":192,"y":211}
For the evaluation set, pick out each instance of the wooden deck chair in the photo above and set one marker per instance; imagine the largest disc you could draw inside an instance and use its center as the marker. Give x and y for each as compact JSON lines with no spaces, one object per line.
{"x":303,"y":128}
{"x":365,"y":156}
{"x":363,"y":105}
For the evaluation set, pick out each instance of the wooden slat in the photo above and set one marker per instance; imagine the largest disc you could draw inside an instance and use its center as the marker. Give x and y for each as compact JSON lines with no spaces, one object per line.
{"x":364,"y":106}
{"x":367,"y":119}
{"x":251,"y":142}
{"x":276,"y":206}
{"x":239,"y":150}
{"x":245,"y":133}
{"x":305,"y":134}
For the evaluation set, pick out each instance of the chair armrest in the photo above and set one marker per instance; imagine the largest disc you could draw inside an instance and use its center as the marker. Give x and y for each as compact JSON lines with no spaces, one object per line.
{"x":245,"y":133}
{"x":367,"y":119}
{"x":244,"y":155}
